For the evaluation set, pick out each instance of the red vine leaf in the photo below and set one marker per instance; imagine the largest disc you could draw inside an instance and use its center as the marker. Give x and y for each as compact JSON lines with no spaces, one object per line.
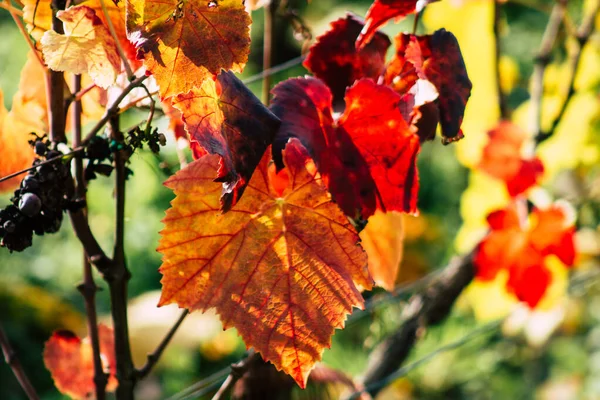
{"x":225,"y":118}
{"x":400,"y":73}
{"x":367,"y":158}
{"x":502,"y":159}
{"x":521,"y":247}
{"x":70,"y":361}
{"x":185,"y":42}
{"x":280,"y":266}
{"x":335,"y":60}
{"x":437,"y":58}
{"x":381,"y":11}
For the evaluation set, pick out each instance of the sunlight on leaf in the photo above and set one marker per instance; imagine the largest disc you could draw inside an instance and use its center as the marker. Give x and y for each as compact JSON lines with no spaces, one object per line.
{"x":282,"y":266}
{"x":184,"y":42}
{"x":70,"y":361}
{"x":86,"y":47}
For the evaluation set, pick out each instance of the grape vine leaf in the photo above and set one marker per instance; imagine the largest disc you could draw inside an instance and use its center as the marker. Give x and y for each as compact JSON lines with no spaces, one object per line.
{"x":381,"y":11}
{"x":400,"y":73}
{"x":367,"y":157}
{"x":37,"y":15}
{"x":86,"y":47}
{"x":282,"y":266}
{"x":176,"y":125}
{"x":502,"y":159}
{"x":522,"y":247}
{"x":116,"y":13}
{"x":335,"y":60}
{"x":184,"y":42}
{"x":437,"y":58}
{"x":70,"y":362}
{"x":224,"y":117}
{"x":383,"y":241}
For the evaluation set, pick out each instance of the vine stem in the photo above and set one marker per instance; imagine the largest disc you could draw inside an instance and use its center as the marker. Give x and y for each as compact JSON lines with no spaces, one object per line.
{"x":11,"y":359}
{"x":541,"y":61}
{"x":55,"y":84}
{"x":118,"y":276}
{"x":502,"y":103}
{"x":88,"y":287}
{"x":268,"y":38}
{"x":113,"y":109}
{"x":237,"y":371}
{"x":376,"y":386}
{"x":155,"y":355}
{"x":582,"y":36}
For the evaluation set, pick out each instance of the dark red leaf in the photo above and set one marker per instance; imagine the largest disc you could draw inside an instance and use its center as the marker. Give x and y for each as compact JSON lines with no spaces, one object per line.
{"x":367,"y":158}
{"x":225,"y":118}
{"x":400,"y":73}
{"x":335,"y":60}
{"x":437,"y":58}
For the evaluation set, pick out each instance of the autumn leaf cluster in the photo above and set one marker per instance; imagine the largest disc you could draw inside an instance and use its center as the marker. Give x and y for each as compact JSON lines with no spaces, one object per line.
{"x":263,"y":227}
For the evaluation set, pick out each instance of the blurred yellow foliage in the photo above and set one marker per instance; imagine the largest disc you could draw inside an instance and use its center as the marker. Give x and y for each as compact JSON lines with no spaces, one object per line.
{"x":476,"y":41}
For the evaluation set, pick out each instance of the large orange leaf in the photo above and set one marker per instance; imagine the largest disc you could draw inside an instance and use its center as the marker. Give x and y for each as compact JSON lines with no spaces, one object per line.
{"x":383,"y":241}
{"x":502,"y":159}
{"x":335,"y":60}
{"x":520,"y":245}
{"x":184,"y":42}
{"x":367,"y":157}
{"x":86,"y":47}
{"x":281,"y":266}
{"x":70,"y":361}
{"x":225,"y":118}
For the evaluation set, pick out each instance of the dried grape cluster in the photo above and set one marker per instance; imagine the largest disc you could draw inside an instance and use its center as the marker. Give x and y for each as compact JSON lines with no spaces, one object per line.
{"x":37,"y":206}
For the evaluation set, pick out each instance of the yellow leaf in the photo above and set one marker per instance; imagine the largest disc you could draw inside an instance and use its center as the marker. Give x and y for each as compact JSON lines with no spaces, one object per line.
{"x":86,"y":47}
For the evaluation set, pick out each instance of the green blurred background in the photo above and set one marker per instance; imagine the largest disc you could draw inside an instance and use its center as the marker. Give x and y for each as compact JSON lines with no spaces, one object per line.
{"x":37,"y":288}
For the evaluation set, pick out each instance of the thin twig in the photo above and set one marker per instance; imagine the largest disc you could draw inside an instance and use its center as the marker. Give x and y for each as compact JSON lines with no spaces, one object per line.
{"x":237,"y":371}
{"x":380,"y":384}
{"x":502,"y":103}
{"x":48,"y":161}
{"x":88,"y":287}
{"x":582,"y":35}
{"x":76,"y":96}
{"x":215,"y":379}
{"x":113,"y":33}
{"x":155,"y":355}
{"x":268,"y":38}
{"x":113,"y":109}
{"x":541,"y":61}
{"x":16,"y":16}
{"x":13,"y":362}
{"x":274,"y":70}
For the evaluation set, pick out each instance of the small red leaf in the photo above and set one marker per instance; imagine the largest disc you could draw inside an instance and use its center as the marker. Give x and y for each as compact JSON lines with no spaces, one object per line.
{"x":502,"y":159}
{"x":382,"y":11}
{"x":335,"y":60}
{"x":225,"y":118}
{"x":70,"y":361}
{"x":437,"y":58}
{"x":521,"y":246}
{"x":367,"y":157}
